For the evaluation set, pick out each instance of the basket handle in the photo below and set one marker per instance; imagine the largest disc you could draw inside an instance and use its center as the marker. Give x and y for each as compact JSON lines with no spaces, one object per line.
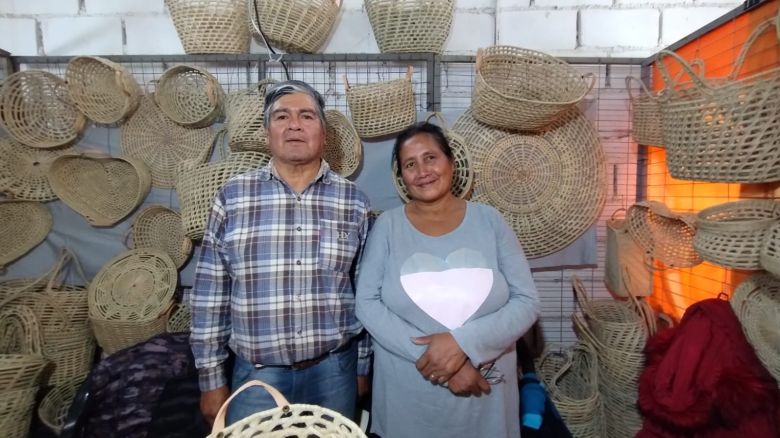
{"x":641,"y":83}
{"x":686,"y":67}
{"x":346,"y":82}
{"x":760,"y":29}
{"x":580,"y":327}
{"x":409,"y":73}
{"x":579,"y":294}
{"x":219,"y":420}
{"x":438,"y":116}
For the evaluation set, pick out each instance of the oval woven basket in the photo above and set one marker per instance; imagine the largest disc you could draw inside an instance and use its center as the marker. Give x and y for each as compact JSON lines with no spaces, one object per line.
{"x":756,"y":301}
{"x":244,"y":118}
{"x":16,"y":412}
{"x":55,"y":405}
{"x":524,"y":90}
{"x":549,"y":187}
{"x":414,"y":26}
{"x":103,"y":189}
{"x":210,"y":26}
{"x":190,"y":96}
{"x":731,"y":234}
{"x":162,"y":144}
{"x":180,"y":320}
{"x":664,"y":234}
{"x":102,"y":89}
{"x":769,"y":257}
{"x":645,"y":115}
{"x":23,"y":170}
{"x":23,"y":226}
{"x":297,"y":26}
{"x":160,"y":227}
{"x":381,"y":108}
{"x":343,"y":149}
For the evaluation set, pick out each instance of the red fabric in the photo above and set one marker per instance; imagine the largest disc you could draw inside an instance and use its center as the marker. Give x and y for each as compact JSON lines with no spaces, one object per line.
{"x":703,"y":379}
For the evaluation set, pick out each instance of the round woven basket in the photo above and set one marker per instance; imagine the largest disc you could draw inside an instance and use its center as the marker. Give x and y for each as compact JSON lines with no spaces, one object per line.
{"x":180,"y":320}
{"x":210,"y":26}
{"x":731,"y":234}
{"x":524,"y":90}
{"x":343,"y":149}
{"x":37,"y":110}
{"x":769,"y":258}
{"x":160,"y":227}
{"x":645,"y":115}
{"x":190,"y":96}
{"x":23,"y":170}
{"x":23,"y":226}
{"x":381,"y":108}
{"x":55,"y":405}
{"x":664,"y":234}
{"x":152,"y":137}
{"x":410,"y":26}
{"x":101,"y":89}
{"x":297,"y":26}
{"x":756,"y":301}
{"x":16,"y":412}
{"x":550,"y":187}
{"x":244,"y":118}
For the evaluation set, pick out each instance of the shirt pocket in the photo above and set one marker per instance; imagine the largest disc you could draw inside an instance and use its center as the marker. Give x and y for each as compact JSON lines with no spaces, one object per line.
{"x":339,"y":242}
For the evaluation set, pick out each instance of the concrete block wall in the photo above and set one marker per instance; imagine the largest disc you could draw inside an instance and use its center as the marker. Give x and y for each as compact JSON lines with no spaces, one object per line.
{"x":578,"y":28}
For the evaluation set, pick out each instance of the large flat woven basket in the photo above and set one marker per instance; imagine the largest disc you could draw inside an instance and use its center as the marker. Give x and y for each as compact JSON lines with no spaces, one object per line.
{"x":381,"y":108}
{"x":410,"y":26}
{"x":210,"y":26}
{"x":23,"y":226}
{"x":157,"y":226}
{"x":23,"y":170}
{"x":665,"y":235}
{"x":524,"y":90}
{"x":756,"y":302}
{"x":102,"y":89}
{"x":343,"y":149}
{"x":244,"y":118}
{"x":297,"y":26}
{"x":190,"y":96}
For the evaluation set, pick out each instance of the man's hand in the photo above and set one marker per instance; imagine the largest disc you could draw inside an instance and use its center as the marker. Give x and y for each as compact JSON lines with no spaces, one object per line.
{"x":442,"y":359}
{"x":468,"y":381}
{"x":211,"y":401}
{"x":363,"y":386}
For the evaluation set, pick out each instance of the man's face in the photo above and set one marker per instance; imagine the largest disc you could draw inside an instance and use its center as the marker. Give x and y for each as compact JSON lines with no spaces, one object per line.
{"x":295,"y":133}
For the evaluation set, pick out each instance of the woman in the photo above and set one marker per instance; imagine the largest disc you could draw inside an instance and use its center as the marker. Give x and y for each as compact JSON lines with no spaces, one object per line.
{"x":445,"y":292}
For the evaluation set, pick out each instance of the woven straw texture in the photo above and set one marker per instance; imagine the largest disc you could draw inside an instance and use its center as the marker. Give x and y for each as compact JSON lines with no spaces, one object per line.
{"x":343,"y":149}
{"x":381,"y":108}
{"x":190,"y":96}
{"x":23,"y":225}
{"x":16,"y":412}
{"x":54,"y":407}
{"x":664,"y":234}
{"x":524,"y":90}
{"x":723,"y":130}
{"x":244,"y":118}
{"x":101,"y":89}
{"x":549,"y":187}
{"x":160,"y":227}
{"x":37,"y":110}
{"x":645,"y":115}
{"x":102,"y":189}
{"x":180,"y":320}
{"x":769,"y":258}
{"x":152,"y":137}
{"x":731,"y":234}
{"x":23,"y":170}
{"x":756,"y":301}
{"x":210,"y":26}
{"x":297,"y":26}
{"x":21,"y":358}
{"x":410,"y":25}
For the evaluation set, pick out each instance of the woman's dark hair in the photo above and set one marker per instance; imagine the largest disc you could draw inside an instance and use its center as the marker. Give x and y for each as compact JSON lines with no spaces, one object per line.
{"x":421,"y":128}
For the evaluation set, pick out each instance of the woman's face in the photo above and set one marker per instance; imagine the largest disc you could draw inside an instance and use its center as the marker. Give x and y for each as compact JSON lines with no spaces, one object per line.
{"x":425,"y":169}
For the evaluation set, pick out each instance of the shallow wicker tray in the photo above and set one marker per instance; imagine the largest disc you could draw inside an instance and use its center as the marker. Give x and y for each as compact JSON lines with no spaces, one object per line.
{"x":23,"y":170}
{"x":160,"y":227}
{"x":23,"y":226}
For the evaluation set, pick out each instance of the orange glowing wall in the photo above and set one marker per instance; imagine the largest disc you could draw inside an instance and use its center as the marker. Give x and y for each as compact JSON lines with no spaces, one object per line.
{"x":676,"y":289}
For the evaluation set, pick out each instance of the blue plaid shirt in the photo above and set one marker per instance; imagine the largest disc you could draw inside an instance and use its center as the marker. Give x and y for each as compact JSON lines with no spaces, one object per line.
{"x":274,"y":280}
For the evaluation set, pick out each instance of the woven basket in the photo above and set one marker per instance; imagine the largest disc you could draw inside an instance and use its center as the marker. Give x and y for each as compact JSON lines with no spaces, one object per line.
{"x":190,"y":96}
{"x":21,"y":358}
{"x":297,"y":26}
{"x":756,"y":301}
{"x":524,"y":90}
{"x":162,"y":144}
{"x":343,"y":149}
{"x":23,"y":226}
{"x":55,"y":405}
{"x":410,"y":26}
{"x":23,"y":170}
{"x":244,"y":118}
{"x":463,"y":176}
{"x":210,"y":26}
{"x":101,"y":188}
{"x":723,"y":130}
{"x":381,"y":108}
{"x":180,"y":320}
{"x":769,"y":257}
{"x":664,"y":234}
{"x":37,"y":110}
{"x":286,"y":420}
{"x":731,"y":234}
{"x":549,"y":187}
{"x":645,"y":115}
{"x":101,"y":89}
{"x":160,"y":227}
{"x":16,"y":412}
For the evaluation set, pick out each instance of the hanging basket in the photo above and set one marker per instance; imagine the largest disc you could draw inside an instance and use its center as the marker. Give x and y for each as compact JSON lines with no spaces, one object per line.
{"x":101,"y":188}
{"x":731,"y":234}
{"x":101,"y":89}
{"x":628,"y":268}
{"x":23,"y":170}
{"x":160,"y":227}
{"x":645,"y":115}
{"x":190,"y":96}
{"x":769,"y":258}
{"x":756,"y":301}
{"x":37,"y":110}
{"x":343,"y":149}
{"x":23,"y":226}
{"x":665,"y":235}
{"x":153,"y":138}
{"x":524,"y":90}
{"x":297,"y":26}
{"x":381,"y":108}
{"x":244,"y":118}
{"x":210,"y":26}
{"x":54,"y":407}
{"x":414,"y":26}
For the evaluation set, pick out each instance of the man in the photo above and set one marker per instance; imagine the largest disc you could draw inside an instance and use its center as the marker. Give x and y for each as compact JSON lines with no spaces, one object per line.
{"x":274,"y":280}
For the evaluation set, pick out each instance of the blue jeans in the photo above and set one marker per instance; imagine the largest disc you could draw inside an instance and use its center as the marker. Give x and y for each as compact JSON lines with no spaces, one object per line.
{"x":331,"y":383}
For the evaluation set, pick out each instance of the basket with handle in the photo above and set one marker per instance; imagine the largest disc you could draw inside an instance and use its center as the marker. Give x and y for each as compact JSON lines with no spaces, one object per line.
{"x":381,"y":108}
{"x":665,"y":235}
{"x":23,"y":170}
{"x":410,"y":26}
{"x":722,"y":130}
{"x":628,"y":268}
{"x":343,"y":149}
{"x":157,"y":226}
{"x":190,"y":96}
{"x":756,"y":302}
{"x":210,"y":26}
{"x":769,"y":258}
{"x":244,"y":118}
{"x":297,"y":26}
{"x":21,"y":355}
{"x":23,"y":226}
{"x":286,"y":420}
{"x":55,"y":405}
{"x":524,"y":90}
{"x":102,"y":89}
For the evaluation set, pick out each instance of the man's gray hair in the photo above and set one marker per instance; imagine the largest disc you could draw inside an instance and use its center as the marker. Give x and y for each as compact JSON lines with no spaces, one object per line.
{"x":275,"y":91}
